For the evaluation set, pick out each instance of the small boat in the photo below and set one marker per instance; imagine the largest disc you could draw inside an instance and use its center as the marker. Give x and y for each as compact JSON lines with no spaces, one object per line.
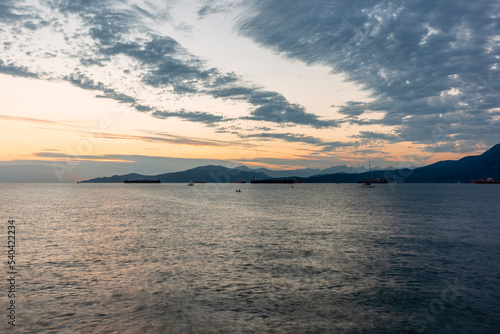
{"x":191,"y":183}
{"x":486,"y":181}
{"x":368,"y":183}
{"x":240,"y":181}
{"x":377,"y":180}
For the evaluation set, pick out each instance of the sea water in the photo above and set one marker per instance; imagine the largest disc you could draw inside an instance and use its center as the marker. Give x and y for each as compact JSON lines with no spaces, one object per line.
{"x":312,"y":258}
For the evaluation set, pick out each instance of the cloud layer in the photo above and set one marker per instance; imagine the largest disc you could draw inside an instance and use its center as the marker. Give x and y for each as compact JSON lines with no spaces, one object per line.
{"x":432,"y":67}
{"x":111,"y":37}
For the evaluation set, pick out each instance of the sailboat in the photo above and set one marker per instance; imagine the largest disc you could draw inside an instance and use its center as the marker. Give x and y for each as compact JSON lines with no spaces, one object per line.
{"x":368,"y":183}
{"x":191,"y":183}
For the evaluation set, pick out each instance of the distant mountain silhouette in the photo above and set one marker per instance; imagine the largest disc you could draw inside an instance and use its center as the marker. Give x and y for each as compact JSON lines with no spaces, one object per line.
{"x":209,"y":173}
{"x":463,"y":170}
{"x":308,"y":172}
{"x":449,"y":171}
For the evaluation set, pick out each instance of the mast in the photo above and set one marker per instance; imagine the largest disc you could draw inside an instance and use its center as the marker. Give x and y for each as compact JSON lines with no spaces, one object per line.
{"x":370,"y":170}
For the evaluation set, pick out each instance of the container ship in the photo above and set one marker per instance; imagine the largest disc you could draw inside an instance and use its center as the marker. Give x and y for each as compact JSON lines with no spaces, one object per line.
{"x":379,"y":180}
{"x":141,"y":181}
{"x":288,"y":181}
{"x":486,"y":181}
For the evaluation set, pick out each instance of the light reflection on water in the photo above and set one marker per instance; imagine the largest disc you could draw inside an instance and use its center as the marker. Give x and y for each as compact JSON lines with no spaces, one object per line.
{"x":312,"y":258}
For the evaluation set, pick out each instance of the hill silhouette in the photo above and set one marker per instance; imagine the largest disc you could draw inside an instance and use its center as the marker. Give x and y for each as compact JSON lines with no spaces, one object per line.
{"x":208,"y":173}
{"x":449,"y":171}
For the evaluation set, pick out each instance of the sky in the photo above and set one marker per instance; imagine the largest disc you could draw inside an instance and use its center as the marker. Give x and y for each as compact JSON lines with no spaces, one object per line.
{"x":93,"y":88}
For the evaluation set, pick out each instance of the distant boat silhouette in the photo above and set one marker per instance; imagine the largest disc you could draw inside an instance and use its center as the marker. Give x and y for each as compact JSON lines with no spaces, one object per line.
{"x":377,"y":180}
{"x":486,"y":181}
{"x":191,"y":183}
{"x":368,"y":183}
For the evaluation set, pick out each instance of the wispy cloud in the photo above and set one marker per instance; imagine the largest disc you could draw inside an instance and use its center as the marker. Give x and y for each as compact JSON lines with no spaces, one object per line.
{"x":99,"y":158}
{"x":150,"y":136}
{"x":27,"y":119}
{"x":327,"y":146}
{"x":216,"y":7}
{"x":162,"y":138}
{"x":156,"y":136}
{"x":194,"y":116}
{"x":41,"y":121}
{"x":371,"y":135}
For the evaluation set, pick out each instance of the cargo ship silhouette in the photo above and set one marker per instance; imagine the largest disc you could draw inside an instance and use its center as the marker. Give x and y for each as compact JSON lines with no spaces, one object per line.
{"x":141,"y":181}
{"x":287,"y":181}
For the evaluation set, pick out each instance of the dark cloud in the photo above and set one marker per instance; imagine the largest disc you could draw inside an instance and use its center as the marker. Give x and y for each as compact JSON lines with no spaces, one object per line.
{"x":377,"y":136}
{"x":16,"y":71}
{"x":79,"y":6}
{"x":30,"y":25}
{"x":144,"y":12}
{"x":368,"y":152}
{"x":455,"y":147}
{"x":83,"y":81}
{"x":419,"y":59}
{"x":156,"y":136}
{"x":232,"y":92}
{"x":193,"y":116}
{"x":12,"y":11}
{"x":214,"y":7}
{"x":352,"y":108}
{"x":289,"y":137}
{"x":142,"y":108}
{"x":273,"y":107}
{"x":327,"y":146}
{"x":336,"y":145}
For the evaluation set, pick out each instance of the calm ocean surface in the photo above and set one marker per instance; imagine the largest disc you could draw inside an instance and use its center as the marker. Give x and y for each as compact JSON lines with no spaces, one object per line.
{"x":315,"y":258}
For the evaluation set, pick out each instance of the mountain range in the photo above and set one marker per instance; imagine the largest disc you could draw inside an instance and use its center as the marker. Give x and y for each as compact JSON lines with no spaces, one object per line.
{"x":308,"y":172}
{"x":463,"y":170}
